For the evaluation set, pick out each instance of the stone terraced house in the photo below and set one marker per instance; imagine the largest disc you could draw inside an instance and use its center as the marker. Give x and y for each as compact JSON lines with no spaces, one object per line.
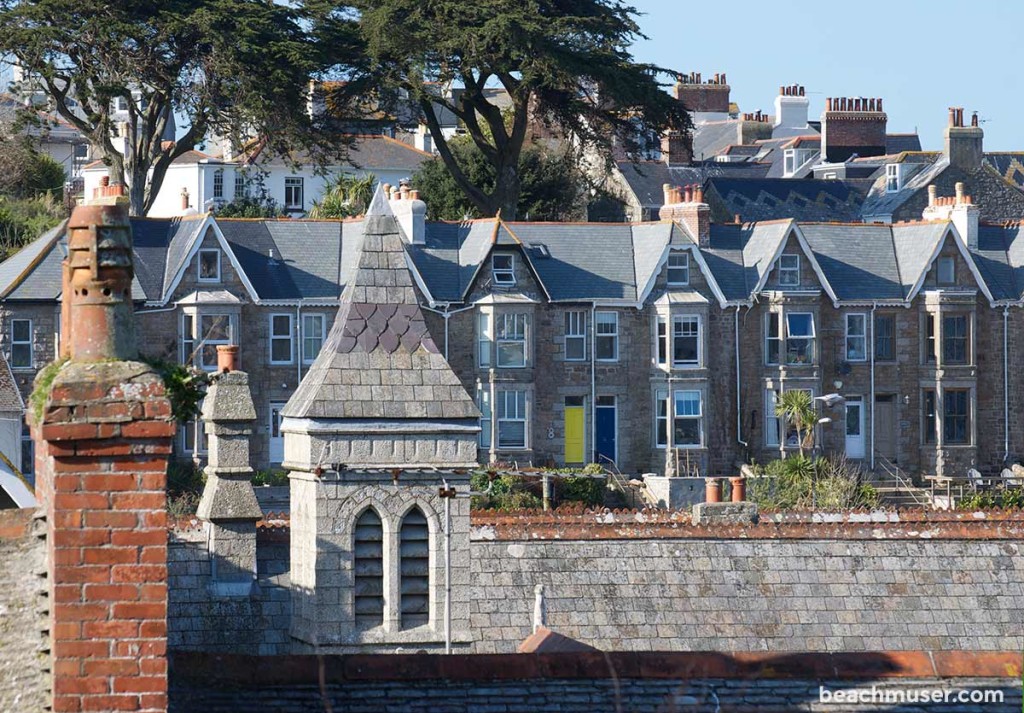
{"x":622,"y":343}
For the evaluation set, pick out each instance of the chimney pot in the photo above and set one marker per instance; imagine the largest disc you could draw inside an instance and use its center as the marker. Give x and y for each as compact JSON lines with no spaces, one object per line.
{"x":974,"y":119}
{"x":736,"y":218}
{"x":879,"y":103}
{"x":802,"y":92}
{"x":687,"y":194}
{"x":782,"y":89}
{"x":227,"y":357}
{"x":828,"y":104}
{"x":723,"y":78}
{"x":698,"y":194}
{"x":932,"y":194}
{"x":184,"y":198}
{"x":105,"y":181}
{"x":959,"y":192}
{"x":414,"y":195}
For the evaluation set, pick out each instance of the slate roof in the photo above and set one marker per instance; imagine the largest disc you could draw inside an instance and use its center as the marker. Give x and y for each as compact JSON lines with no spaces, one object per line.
{"x":10,"y":396}
{"x":806,"y":199}
{"x":897,"y":143}
{"x":646,"y":178}
{"x":372,"y":152}
{"x":379,"y":360}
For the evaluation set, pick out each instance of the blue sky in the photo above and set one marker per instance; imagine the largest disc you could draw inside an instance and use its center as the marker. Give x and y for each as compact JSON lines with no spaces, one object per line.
{"x":912,"y":53}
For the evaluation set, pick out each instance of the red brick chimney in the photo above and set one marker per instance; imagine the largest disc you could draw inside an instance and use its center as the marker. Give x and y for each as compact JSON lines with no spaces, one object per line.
{"x":702,"y":97}
{"x":677,"y":148}
{"x":103,"y":437}
{"x":686,"y":206}
{"x":852,"y":125}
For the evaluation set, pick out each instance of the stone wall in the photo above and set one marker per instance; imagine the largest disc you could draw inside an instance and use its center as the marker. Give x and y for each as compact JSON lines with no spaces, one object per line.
{"x":583,"y":682}
{"x":197,"y":620}
{"x":23,"y":683}
{"x":630,"y":582}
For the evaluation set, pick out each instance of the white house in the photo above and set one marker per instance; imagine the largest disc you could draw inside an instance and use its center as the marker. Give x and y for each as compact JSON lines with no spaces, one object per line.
{"x":198,"y":182}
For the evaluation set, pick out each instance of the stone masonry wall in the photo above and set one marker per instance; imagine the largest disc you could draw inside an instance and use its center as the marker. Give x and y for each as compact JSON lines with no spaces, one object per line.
{"x":23,"y":683}
{"x":619,"y":583}
{"x":197,"y":620}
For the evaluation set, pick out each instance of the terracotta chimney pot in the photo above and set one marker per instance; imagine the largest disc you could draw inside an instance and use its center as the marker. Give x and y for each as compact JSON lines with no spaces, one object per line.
{"x":738,"y":488}
{"x":227,"y":357}
{"x":713,"y":490}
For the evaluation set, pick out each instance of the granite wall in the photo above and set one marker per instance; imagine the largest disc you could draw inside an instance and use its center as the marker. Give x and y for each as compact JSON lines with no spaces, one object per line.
{"x":631,"y":582}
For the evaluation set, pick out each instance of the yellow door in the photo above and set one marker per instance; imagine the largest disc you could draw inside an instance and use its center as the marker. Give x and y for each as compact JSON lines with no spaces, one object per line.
{"x":573,"y":434}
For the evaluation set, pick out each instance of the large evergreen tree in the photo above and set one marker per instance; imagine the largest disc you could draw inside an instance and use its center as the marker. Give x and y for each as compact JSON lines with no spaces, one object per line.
{"x":219,"y":66}
{"x":562,"y":63}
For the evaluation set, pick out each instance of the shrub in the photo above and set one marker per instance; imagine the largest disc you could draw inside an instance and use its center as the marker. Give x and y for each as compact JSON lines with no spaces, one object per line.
{"x":22,"y":220}
{"x":798,"y":482}
{"x":250,"y":207}
{"x":581,"y":489}
{"x":999,"y":499}
{"x":272,"y":476}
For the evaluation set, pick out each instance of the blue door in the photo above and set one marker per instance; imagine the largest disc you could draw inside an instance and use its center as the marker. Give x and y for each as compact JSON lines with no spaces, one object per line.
{"x":606,"y":429}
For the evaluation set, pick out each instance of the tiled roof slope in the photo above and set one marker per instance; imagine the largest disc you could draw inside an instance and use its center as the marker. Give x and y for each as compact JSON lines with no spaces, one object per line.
{"x":805,"y":199}
{"x":646,"y":178}
{"x":380,"y":360}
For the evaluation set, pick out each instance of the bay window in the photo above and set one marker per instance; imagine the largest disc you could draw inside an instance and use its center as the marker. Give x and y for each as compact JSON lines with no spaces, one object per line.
{"x":777,"y":427}
{"x":954,"y":339}
{"x":200,"y":335}
{"x":685,"y":410}
{"x":956,"y":413}
{"x":687,"y":417}
{"x":685,"y":341}
{"x":511,"y":340}
{"x":483,"y":341}
{"x":512,"y":419}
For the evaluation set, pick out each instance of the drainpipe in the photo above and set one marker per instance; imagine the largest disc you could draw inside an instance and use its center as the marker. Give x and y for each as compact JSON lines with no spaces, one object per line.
{"x":298,"y":345}
{"x":739,"y":398}
{"x":1006,"y":385}
{"x":449,"y":494}
{"x":446,"y":313}
{"x":874,"y":306}
{"x":593,"y":381}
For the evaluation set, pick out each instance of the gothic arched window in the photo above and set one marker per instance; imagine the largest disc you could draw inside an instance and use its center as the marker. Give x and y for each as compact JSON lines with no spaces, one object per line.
{"x":369,"y":570}
{"x":414,"y":555}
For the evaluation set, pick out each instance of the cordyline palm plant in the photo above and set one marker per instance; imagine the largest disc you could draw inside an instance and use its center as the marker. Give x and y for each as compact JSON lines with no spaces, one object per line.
{"x":344,"y":197}
{"x":797,"y":409}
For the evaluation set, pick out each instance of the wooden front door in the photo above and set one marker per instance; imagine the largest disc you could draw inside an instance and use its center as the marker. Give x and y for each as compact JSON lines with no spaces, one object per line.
{"x":574,"y":429}
{"x":885,"y":426}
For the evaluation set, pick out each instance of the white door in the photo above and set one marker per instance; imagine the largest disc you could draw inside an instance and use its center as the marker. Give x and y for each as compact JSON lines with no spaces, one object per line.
{"x":854,"y":427}
{"x":276,"y":438}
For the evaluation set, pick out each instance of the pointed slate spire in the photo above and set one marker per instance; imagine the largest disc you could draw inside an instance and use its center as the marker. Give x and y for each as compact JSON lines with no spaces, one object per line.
{"x":380,"y":360}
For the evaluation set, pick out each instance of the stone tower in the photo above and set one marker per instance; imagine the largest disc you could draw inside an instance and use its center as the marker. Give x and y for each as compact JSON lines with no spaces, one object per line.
{"x":379,"y":439}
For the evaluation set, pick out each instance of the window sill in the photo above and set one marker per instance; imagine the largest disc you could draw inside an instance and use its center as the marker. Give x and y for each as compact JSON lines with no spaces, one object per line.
{"x":282,"y":363}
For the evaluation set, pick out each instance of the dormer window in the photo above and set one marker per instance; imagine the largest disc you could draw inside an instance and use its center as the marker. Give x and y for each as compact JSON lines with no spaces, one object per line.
{"x":678,"y":268}
{"x":946,"y":271}
{"x":503,"y":270}
{"x":892,"y":178}
{"x":789,"y":270}
{"x":209,"y":265}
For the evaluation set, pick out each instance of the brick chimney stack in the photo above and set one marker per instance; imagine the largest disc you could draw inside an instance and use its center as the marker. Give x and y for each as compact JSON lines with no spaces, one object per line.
{"x":677,"y":148}
{"x":700,"y":97}
{"x":103,"y":438}
{"x":852,"y":125}
{"x":964,"y":146}
{"x":687,"y":207}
